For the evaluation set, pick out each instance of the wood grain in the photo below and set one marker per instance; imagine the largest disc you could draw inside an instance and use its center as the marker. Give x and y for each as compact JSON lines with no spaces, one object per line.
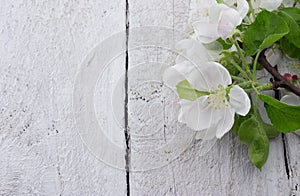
{"x":42,"y":46}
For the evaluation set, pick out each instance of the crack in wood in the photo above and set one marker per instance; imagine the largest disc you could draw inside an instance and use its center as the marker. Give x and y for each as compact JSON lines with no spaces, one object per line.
{"x":127,"y":131}
{"x":287,"y":165}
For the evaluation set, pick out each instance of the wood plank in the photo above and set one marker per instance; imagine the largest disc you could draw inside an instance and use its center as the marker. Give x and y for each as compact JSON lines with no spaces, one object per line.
{"x":225,"y":169}
{"x":42,"y":46}
{"x":292,"y":144}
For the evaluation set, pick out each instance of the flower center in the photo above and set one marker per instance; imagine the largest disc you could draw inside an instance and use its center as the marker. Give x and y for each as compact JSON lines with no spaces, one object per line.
{"x":218,"y":98}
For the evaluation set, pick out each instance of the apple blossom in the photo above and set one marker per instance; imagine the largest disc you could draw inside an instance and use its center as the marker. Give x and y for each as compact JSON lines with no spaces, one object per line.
{"x":212,"y":113}
{"x":217,"y":20}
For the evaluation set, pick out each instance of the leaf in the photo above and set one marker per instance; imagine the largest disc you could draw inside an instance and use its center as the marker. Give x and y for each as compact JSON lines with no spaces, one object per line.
{"x":187,"y":91}
{"x":225,"y":45}
{"x":290,"y":44}
{"x":289,"y":48}
{"x":293,"y":12}
{"x":251,"y":132}
{"x":238,"y":120}
{"x":270,"y":130}
{"x":285,"y":118}
{"x":263,"y":32}
{"x":288,"y":15}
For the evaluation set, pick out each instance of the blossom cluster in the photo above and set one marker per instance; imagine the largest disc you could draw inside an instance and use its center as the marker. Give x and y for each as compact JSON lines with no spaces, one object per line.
{"x":215,"y":75}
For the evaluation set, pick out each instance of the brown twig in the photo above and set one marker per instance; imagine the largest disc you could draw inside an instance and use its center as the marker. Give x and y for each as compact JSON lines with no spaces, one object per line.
{"x":279,"y":81}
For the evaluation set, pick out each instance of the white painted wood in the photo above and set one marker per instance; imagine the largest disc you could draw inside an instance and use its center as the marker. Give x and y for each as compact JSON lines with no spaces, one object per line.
{"x":292,"y":142}
{"x":226,"y":169}
{"x":42,"y":45}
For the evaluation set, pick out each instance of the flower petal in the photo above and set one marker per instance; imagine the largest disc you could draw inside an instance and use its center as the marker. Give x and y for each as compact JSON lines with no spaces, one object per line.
{"x":213,"y":75}
{"x":205,"y":32}
{"x":205,"y":77}
{"x":229,"y":19}
{"x":288,"y":3}
{"x":229,"y":2}
{"x":198,"y":115}
{"x":196,"y":52}
{"x":239,"y":100}
{"x":207,"y":134}
{"x":242,"y":7}
{"x":172,"y":77}
{"x":226,"y":123}
{"x":270,"y":5}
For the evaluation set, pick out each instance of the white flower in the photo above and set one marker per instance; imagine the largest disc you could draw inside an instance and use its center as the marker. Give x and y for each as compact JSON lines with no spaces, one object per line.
{"x":217,"y":19}
{"x":197,"y":52}
{"x":211,"y":114}
{"x":288,"y":3}
{"x":269,"y":5}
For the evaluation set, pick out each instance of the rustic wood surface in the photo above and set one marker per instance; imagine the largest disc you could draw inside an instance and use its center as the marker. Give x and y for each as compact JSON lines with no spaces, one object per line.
{"x":43,"y":46}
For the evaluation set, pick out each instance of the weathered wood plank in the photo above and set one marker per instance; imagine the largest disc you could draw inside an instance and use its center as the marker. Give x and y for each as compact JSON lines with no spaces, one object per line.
{"x":226,"y":169}
{"x":42,"y":44}
{"x":292,"y":144}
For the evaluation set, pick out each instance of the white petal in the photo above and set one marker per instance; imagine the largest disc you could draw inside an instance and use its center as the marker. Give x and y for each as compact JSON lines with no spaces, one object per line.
{"x":288,"y":3}
{"x":205,"y":31}
{"x":213,"y":75}
{"x":197,"y":114}
{"x":291,"y":99}
{"x":172,"y":77}
{"x":204,"y":77}
{"x":229,"y":2}
{"x":196,"y":52}
{"x":193,"y":74}
{"x":184,"y":44}
{"x":185,"y":70}
{"x":229,"y":19}
{"x":239,"y":100}
{"x":270,"y":5}
{"x":242,"y":7}
{"x":226,"y":123}
{"x":207,"y":134}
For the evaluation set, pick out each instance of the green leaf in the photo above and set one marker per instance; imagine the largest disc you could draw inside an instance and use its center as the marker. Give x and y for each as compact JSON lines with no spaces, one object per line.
{"x":263,"y":32}
{"x":225,"y":45}
{"x":252,"y":133}
{"x":289,"y":48}
{"x":288,"y":15}
{"x":293,"y":12}
{"x":187,"y":91}
{"x":290,"y":44}
{"x":238,"y":120}
{"x":270,"y":130}
{"x":285,"y":118}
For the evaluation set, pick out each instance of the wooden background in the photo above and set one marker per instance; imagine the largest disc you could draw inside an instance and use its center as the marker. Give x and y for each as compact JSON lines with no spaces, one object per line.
{"x":42,"y":46}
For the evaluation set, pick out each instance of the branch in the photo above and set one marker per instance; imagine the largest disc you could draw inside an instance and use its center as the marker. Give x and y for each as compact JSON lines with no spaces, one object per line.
{"x":280,"y":81}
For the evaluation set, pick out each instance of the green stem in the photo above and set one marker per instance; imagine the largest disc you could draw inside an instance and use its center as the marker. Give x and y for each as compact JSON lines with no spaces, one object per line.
{"x":238,"y":78}
{"x":264,"y":86}
{"x":255,"y":105}
{"x":255,"y":66}
{"x":242,"y":56}
{"x":247,"y":20}
{"x":245,"y":75}
{"x":251,"y":9}
{"x":257,"y":87}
